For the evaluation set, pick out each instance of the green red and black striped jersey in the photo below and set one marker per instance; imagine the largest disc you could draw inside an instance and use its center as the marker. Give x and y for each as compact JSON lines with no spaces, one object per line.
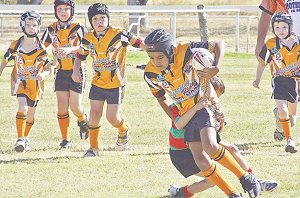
{"x":176,"y":136}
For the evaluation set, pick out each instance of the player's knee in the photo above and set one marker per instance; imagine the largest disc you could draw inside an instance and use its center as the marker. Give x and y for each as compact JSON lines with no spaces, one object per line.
{"x":210,"y":147}
{"x":76,"y":109}
{"x":113,"y":120}
{"x":283,"y":112}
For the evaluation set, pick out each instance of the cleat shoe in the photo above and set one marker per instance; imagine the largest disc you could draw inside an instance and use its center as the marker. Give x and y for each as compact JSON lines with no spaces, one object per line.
{"x":91,"y":153}
{"x":20,"y":145}
{"x":122,"y":142}
{"x":278,"y":135}
{"x":84,"y":129}
{"x":250,"y":185}
{"x":267,"y":185}
{"x":290,"y":146}
{"x":27,"y":147}
{"x":65,"y":144}
{"x":173,"y":190}
{"x":234,"y":195}
{"x":179,"y":193}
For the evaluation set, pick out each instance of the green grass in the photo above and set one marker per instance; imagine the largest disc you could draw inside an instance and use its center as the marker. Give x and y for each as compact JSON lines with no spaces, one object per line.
{"x":145,"y":170}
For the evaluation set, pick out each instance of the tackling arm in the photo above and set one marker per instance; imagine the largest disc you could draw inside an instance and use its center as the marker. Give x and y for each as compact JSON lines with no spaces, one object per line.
{"x":163,"y":102}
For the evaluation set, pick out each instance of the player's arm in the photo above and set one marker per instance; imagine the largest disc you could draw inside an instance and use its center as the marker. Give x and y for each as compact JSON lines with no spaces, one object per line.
{"x":76,"y":71}
{"x":164,"y":103}
{"x":218,"y":49}
{"x":8,"y":56}
{"x":3,"y":65}
{"x":46,"y":39}
{"x":182,"y":121}
{"x":264,"y":59}
{"x":262,"y":29}
{"x":44,"y":66}
{"x":268,"y":8}
{"x":134,"y":41}
{"x":81,"y":55}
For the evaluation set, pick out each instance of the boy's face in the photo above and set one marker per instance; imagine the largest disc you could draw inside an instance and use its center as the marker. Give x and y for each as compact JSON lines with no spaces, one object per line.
{"x":31,"y":26}
{"x":159,"y":60}
{"x":63,"y":12}
{"x":100,"y":22}
{"x":281,"y":29}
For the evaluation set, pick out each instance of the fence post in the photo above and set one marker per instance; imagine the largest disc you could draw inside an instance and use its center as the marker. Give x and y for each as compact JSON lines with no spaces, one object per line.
{"x":202,"y":23}
{"x":173,"y":26}
{"x":237,"y":31}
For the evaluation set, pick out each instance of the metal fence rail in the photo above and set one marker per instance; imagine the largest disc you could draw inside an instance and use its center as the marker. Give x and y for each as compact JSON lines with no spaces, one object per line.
{"x":171,"y":13}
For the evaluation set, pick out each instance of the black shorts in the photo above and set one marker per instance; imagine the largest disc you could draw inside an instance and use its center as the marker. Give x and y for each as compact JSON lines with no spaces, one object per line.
{"x":64,"y":82}
{"x":285,"y":88}
{"x":202,"y":119}
{"x":111,"y":96}
{"x":30,"y":103}
{"x":184,"y":162}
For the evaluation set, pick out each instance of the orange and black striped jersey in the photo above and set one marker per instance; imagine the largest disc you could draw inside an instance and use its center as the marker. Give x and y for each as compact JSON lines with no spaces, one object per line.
{"x":26,"y":64}
{"x":70,"y":36}
{"x":109,"y":56}
{"x":179,"y":80}
{"x":283,"y":61}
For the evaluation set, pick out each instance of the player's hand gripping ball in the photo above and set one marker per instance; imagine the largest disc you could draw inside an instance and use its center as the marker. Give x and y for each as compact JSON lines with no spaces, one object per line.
{"x":202,"y":59}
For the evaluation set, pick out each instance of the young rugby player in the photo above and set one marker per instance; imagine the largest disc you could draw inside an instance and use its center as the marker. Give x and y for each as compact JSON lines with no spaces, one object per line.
{"x":168,"y":72}
{"x":281,"y":53}
{"x":65,"y":38}
{"x":182,"y":158}
{"x":269,"y":8}
{"x":107,"y":46}
{"x":31,"y":66}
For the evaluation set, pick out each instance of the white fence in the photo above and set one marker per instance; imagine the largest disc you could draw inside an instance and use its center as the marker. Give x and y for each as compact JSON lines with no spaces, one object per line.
{"x":180,"y":18}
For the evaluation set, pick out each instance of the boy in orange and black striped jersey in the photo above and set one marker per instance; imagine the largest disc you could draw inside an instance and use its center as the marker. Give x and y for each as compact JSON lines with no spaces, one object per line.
{"x":31,"y":65}
{"x":107,"y":46}
{"x":169,"y":71}
{"x":65,"y":37}
{"x":282,"y":54}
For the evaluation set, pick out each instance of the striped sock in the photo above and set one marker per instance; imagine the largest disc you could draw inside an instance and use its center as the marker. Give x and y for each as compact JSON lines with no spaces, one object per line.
{"x":186,"y":192}
{"x":94,"y":135}
{"x":122,"y":128}
{"x":286,"y":127}
{"x":20,"y":123}
{"x":214,"y":175}
{"x":28,"y":127}
{"x":225,"y":159}
{"x":64,"y":122}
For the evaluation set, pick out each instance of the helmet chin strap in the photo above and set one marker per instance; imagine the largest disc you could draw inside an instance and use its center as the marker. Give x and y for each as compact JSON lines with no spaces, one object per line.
{"x":30,"y":35}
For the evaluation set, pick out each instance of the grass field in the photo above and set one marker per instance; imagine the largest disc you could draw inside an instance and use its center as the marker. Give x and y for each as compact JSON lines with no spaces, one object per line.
{"x":145,"y":170}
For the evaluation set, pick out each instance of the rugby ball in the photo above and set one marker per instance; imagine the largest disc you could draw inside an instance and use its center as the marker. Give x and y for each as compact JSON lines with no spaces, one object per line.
{"x":201,"y":59}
